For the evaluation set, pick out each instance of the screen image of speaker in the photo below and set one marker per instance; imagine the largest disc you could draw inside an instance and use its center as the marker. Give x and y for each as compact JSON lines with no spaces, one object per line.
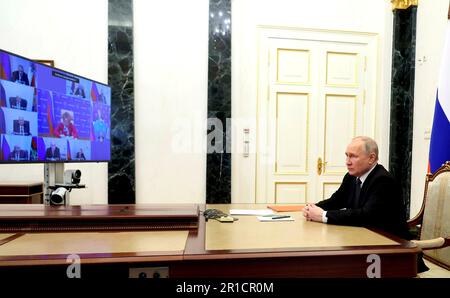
{"x":51,"y":115}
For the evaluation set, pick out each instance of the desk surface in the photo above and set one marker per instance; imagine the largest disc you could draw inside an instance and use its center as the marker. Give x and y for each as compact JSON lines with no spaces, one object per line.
{"x":20,"y":183}
{"x":246,"y":248}
{"x":4,"y":236}
{"x":96,"y":243}
{"x":249,"y":233}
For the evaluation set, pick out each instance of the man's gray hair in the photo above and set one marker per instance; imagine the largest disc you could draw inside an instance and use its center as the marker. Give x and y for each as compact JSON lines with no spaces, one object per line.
{"x":370,"y":146}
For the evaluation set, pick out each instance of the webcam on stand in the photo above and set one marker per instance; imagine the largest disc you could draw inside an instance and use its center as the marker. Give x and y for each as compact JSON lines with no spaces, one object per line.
{"x":61,"y":193}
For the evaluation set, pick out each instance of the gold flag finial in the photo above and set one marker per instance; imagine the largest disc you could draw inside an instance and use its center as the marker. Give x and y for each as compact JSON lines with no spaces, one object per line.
{"x":403,"y":4}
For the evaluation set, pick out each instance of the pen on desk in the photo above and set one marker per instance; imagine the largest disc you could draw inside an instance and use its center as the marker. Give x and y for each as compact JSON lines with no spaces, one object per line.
{"x":279,"y":217}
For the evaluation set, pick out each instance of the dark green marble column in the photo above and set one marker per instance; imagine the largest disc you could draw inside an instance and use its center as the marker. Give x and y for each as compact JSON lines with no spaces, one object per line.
{"x":121,"y":183}
{"x":402,"y":98}
{"x":218,"y":162}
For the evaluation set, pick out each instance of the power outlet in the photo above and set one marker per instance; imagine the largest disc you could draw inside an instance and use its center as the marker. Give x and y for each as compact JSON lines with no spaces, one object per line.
{"x":149,"y":272}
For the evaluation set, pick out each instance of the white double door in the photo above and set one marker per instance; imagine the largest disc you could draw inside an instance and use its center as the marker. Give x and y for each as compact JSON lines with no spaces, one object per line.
{"x":314,"y":95}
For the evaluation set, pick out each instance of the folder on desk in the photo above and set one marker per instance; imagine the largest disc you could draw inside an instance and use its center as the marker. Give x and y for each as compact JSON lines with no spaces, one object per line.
{"x":286,"y":208}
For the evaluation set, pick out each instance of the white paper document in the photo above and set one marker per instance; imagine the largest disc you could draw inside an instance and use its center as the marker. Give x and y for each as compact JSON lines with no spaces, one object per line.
{"x":251,"y":212}
{"x":274,"y":218}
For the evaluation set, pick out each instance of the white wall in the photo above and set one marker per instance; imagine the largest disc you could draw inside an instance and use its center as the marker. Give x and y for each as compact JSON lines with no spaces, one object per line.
{"x":347,"y":15}
{"x":171,"y":75}
{"x":351,"y":15}
{"x":431,"y":24}
{"x":171,"y":46}
{"x":171,"y":56}
{"x":74,"y":35}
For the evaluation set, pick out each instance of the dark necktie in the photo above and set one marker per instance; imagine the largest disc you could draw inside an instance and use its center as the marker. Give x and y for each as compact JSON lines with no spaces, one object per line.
{"x":357,"y":192}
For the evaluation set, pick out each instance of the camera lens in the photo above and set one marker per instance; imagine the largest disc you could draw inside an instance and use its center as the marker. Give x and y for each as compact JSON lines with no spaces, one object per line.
{"x":77,"y":174}
{"x":58,"y":196}
{"x":56,"y":200}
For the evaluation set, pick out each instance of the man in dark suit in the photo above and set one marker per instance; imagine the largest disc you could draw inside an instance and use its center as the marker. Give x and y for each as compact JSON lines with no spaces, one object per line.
{"x":21,"y":127}
{"x":101,"y":97}
{"x":18,"y":154}
{"x":19,"y":76}
{"x":80,"y":155}
{"x":369,"y":196}
{"x":52,"y":153}
{"x":18,"y":103}
{"x":79,"y":90}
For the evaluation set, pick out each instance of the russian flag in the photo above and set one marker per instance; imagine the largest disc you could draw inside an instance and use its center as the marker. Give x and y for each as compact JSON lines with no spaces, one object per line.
{"x":50,"y":115}
{"x":94,"y":92}
{"x":2,"y":96}
{"x":41,"y":148}
{"x":32,"y":75}
{"x":440,"y":133}
{"x":69,"y":156}
{"x":92,"y":134}
{"x":5,"y":66}
{"x":6,"y":148}
{"x":34,"y":149}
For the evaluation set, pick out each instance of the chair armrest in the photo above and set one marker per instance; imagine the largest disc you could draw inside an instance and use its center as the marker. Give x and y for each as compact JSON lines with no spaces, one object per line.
{"x":432,"y":243}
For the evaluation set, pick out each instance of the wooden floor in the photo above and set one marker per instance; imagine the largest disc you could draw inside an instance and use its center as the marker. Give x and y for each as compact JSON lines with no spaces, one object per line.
{"x":435,"y":271}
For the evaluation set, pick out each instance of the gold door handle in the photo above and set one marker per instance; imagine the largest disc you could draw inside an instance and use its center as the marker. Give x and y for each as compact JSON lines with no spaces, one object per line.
{"x":320,"y":166}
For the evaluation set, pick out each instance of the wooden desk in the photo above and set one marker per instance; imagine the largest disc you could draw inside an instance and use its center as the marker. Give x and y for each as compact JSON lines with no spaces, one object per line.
{"x":91,"y":218}
{"x":246,"y":248}
{"x":249,"y":248}
{"x":21,"y":193}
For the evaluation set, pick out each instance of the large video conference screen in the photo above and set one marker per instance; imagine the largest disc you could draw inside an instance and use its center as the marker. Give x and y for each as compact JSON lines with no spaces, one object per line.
{"x":50,"y":115}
